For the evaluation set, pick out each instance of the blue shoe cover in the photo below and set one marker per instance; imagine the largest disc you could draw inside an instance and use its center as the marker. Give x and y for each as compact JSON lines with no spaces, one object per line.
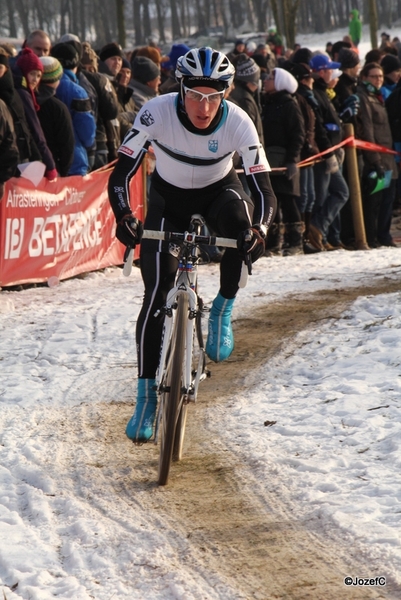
{"x":220,"y":339}
{"x":140,"y":426}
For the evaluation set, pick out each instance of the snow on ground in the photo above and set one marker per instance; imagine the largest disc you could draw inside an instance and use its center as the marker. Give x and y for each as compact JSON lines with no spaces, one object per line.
{"x":334,"y":394}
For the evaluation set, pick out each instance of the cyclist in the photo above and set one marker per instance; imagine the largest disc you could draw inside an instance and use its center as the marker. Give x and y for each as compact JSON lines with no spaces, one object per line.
{"x":194,"y":134}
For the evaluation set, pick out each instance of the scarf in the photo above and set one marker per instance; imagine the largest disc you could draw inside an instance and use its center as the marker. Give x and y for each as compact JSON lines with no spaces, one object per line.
{"x":372,"y":89}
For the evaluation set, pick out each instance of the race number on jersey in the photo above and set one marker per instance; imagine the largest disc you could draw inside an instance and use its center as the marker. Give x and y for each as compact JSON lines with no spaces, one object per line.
{"x":254,"y":159}
{"x":134,"y":143}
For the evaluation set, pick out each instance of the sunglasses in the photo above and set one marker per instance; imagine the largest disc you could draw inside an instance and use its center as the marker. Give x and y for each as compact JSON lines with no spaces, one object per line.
{"x":212,"y":98}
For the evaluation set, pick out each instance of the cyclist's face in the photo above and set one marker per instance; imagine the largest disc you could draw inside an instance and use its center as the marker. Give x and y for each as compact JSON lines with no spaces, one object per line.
{"x":201,"y":114}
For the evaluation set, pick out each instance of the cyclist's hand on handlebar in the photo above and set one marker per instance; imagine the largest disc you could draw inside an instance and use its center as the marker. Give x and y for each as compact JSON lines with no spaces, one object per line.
{"x":129,"y":231}
{"x":251,"y":243}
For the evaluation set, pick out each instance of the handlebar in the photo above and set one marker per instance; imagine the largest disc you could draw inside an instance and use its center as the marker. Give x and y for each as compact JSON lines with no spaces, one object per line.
{"x":206,"y":240}
{"x":191,"y":238}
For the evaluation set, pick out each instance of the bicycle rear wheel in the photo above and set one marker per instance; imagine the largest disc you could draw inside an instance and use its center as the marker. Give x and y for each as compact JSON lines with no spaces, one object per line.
{"x":172,"y":397}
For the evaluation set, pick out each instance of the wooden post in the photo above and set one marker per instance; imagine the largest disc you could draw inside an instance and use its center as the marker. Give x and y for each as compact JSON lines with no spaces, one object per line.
{"x":355,"y":191}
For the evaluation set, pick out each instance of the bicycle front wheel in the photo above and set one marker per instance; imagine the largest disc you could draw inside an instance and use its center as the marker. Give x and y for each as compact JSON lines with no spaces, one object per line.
{"x":172,"y":397}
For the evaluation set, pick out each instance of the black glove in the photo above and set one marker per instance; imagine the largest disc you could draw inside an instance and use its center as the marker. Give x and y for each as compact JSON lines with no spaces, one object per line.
{"x":129,"y":231}
{"x":350,"y":108}
{"x":251,"y":242}
{"x":292,"y":170}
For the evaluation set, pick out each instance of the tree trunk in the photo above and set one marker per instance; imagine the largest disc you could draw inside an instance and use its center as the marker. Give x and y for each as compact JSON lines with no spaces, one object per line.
{"x":23,"y":13}
{"x":121,"y":23}
{"x":373,"y":23}
{"x":12,"y":28}
{"x":137,"y":23}
{"x":160,"y":21}
{"x":147,"y":29}
{"x":175,"y":23}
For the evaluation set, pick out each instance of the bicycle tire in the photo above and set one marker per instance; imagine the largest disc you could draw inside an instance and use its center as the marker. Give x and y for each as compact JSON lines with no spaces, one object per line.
{"x":172,"y":399}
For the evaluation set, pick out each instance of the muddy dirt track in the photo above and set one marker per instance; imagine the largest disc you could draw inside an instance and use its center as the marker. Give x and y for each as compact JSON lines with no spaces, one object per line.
{"x":234,"y":527}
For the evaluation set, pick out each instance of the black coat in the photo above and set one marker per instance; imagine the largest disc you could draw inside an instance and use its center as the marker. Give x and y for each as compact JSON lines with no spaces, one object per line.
{"x":56,"y":122}
{"x":330,"y":118}
{"x":9,"y":156}
{"x":27,"y":148}
{"x":283,"y":125}
{"x":244,"y":98}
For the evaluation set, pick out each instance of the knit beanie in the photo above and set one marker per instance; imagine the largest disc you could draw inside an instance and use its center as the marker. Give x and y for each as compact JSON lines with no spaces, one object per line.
{"x":283,"y":80}
{"x":126,"y":64}
{"x":299,"y":70}
{"x":28,"y":61}
{"x":110,"y":50}
{"x":144,"y":69}
{"x":390,"y":63}
{"x":66,"y":54}
{"x":150,"y":52}
{"x":348,"y":58}
{"x":302,"y":55}
{"x":52,"y":69}
{"x":246,"y":69}
{"x":89,"y":56}
{"x":177,"y":50}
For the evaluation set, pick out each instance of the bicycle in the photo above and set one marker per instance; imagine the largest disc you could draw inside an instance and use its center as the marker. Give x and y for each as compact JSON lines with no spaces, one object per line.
{"x":182,"y":364}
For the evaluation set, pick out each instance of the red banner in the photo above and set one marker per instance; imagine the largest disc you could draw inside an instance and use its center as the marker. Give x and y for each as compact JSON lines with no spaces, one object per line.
{"x":61,"y":229}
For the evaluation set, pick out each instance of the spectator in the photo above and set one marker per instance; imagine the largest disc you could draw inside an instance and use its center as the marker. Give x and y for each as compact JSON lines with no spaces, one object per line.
{"x":284,"y":136}
{"x":391,"y":66}
{"x":308,"y":105}
{"x":330,"y":186}
{"x":145,"y":80}
{"x":27,"y":148}
{"x":77,"y":101}
{"x":239,"y":48}
{"x":246,"y":88}
{"x":39,"y":42}
{"x":27,"y":74}
{"x":127,"y":109}
{"x":111,"y":60}
{"x":55,"y":117}
{"x":107,"y":123}
{"x":375,"y":128}
{"x":348,"y":80}
{"x":150,"y":52}
{"x":264,"y":58}
{"x":275,"y":41}
{"x":374,"y":55}
{"x":8,"y":147}
{"x":168,"y":64}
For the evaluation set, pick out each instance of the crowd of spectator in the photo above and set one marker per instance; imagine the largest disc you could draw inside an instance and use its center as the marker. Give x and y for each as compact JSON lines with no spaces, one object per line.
{"x":70,"y":106}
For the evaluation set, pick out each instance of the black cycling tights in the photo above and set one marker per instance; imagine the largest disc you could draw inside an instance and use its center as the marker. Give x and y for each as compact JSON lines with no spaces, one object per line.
{"x":229,"y":213}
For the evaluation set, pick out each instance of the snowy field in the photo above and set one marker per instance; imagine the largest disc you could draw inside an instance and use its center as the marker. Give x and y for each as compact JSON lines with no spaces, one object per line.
{"x":335,"y":448}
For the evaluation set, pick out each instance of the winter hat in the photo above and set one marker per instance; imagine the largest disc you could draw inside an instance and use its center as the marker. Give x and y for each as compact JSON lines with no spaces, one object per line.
{"x":321,"y":61}
{"x":126,"y":64}
{"x":150,"y":52}
{"x":283,"y":80}
{"x":52,"y":69}
{"x":302,"y":55}
{"x":177,"y":50}
{"x":390,"y":63}
{"x":110,"y":50}
{"x":66,"y":54}
{"x":299,"y":70}
{"x":348,"y":58}
{"x":69,"y":37}
{"x":246,"y":69}
{"x":89,"y":56}
{"x":28,"y":61}
{"x":144,"y":69}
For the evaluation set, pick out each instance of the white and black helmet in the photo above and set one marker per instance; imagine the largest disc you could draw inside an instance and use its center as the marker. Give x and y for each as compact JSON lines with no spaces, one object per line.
{"x":206,"y":66}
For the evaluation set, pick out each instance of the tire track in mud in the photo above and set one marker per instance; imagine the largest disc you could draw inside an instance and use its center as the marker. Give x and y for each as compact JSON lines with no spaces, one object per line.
{"x":241,"y":528}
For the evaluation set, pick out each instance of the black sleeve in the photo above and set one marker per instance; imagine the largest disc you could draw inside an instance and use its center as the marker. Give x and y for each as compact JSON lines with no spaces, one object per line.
{"x":263,"y":197}
{"x":119,"y":182}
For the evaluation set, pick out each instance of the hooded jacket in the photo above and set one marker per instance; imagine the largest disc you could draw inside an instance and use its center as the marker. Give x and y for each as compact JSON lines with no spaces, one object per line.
{"x":355,"y":27}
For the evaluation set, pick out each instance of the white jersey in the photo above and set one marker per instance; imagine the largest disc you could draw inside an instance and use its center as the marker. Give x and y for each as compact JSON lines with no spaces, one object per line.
{"x":191,"y":160}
